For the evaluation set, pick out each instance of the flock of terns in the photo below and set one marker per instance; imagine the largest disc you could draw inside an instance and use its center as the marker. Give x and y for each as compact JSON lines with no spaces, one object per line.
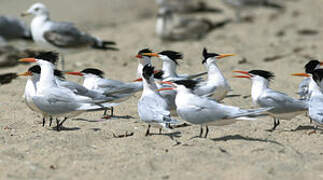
{"x":165,"y":94}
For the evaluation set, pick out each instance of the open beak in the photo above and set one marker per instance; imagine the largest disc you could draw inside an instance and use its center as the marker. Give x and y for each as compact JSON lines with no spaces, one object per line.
{"x":28,"y":73}
{"x":242,"y":72}
{"x":224,"y":55}
{"x":301,"y":74}
{"x":166,"y":89}
{"x":74,"y":73}
{"x":30,"y":60}
{"x":25,"y":14}
{"x":150,"y":54}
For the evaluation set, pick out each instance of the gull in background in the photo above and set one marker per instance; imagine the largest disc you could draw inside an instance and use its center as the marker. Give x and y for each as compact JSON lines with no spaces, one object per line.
{"x":284,"y":107}
{"x":60,"y":36}
{"x":173,"y":28}
{"x":188,"y":6}
{"x":13,"y":28}
{"x":207,"y":112}
{"x":239,"y":5}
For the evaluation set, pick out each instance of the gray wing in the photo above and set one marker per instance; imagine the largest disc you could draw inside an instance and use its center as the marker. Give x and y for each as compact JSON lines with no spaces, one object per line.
{"x":315,"y":109}
{"x":281,"y":102}
{"x":113,"y":87}
{"x":64,"y":34}
{"x":13,"y":28}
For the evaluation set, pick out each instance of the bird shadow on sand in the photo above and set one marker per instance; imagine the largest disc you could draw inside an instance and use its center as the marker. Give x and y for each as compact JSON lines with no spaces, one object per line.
{"x":233,"y":95}
{"x":239,"y":137}
{"x":172,"y":135}
{"x":104,"y":119}
{"x":62,"y":128}
{"x":306,"y":127}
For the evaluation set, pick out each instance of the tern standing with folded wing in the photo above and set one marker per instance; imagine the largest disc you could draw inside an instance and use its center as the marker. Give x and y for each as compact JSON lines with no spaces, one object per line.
{"x":284,"y":107}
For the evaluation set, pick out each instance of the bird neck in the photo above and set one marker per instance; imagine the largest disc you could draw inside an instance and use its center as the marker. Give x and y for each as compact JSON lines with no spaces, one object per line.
{"x":47,"y":78}
{"x":259,"y":84}
{"x":90,"y":81}
{"x":149,"y":86}
{"x":214,"y":73}
{"x":169,"y":69}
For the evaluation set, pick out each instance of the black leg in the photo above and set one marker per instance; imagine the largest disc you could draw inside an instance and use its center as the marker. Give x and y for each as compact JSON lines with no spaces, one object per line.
{"x":147,"y":132}
{"x":111,"y":112}
{"x":57,"y":124}
{"x":61,"y":124}
{"x":206,"y":131}
{"x":44,"y":121}
{"x":311,"y":121}
{"x":50,"y":121}
{"x":105,"y":112}
{"x":276,"y":123}
{"x":160,"y":130}
{"x":201,"y":131}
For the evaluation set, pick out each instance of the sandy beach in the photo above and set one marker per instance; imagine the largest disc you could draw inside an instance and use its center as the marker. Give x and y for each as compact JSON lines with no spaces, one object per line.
{"x":87,"y":149}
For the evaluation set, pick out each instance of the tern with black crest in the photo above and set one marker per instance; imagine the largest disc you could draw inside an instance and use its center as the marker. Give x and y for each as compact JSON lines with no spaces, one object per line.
{"x":204,"y":111}
{"x":152,"y":107}
{"x":284,"y":107}
{"x":56,"y":101}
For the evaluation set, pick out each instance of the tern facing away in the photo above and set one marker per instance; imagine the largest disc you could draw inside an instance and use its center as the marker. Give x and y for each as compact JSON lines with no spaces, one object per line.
{"x":304,"y":86}
{"x":207,"y":112}
{"x":284,"y":107}
{"x":152,"y":107}
{"x":60,"y":35}
{"x":120,"y":91}
{"x":315,"y":109}
{"x":56,"y":101}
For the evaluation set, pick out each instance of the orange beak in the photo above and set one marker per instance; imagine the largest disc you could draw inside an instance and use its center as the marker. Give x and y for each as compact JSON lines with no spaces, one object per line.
{"x":74,"y":73}
{"x":28,"y":73}
{"x":242,"y":72}
{"x":167,"y":82}
{"x":138,"y":56}
{"x":301,"y":74}
{"x":30,"y":60}
{"x":224,"y":55}
{"x":150,"y":54}
{"x":137,"y":80}
{"x":166,"y":89}
{"x":321,"y":63}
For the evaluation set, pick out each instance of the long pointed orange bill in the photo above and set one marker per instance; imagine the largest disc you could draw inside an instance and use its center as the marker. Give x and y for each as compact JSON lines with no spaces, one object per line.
{"x":138,"y":56}
{"x":321,"y":63}
{"x":74,"y":73}
{"x":248,"y":77}
{"x":30,"y":60}
{"x":167,"y":82}
{"x":166,"y":89}
{"x":224,"y":55}
{"x":28,"y":73}
{"x":301,"y":74}
{"x":150,"y":54}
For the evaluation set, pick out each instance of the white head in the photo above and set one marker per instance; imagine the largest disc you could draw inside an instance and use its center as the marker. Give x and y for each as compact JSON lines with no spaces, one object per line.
{"x":37,"y":9}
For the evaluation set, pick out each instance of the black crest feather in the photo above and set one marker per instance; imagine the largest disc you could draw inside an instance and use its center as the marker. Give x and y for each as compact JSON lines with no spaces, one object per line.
{"x":311,"y":65}
{"x":49,"y":56}
{"x":317,"y":75}
{"x":265,"y":74}
{"x":173,"y":55}
{"x":190,"y":84}
{"x":146,"y":50}
{"x":93,"y":71}
{"x":147,"y":71}
{"x":207,"y":55}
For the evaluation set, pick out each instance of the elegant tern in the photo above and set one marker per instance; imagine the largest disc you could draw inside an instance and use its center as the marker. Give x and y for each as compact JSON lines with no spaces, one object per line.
{"x":284,"y":107}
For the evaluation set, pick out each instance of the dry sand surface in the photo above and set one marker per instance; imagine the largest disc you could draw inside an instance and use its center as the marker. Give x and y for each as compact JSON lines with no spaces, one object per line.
{"x":86,"y":149}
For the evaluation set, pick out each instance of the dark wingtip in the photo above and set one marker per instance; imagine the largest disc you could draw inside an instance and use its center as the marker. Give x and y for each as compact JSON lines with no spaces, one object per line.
{"x":105,"y":45}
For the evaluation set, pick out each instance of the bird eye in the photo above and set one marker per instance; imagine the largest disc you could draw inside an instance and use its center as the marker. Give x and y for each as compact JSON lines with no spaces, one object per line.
{"x":36,"y":9}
